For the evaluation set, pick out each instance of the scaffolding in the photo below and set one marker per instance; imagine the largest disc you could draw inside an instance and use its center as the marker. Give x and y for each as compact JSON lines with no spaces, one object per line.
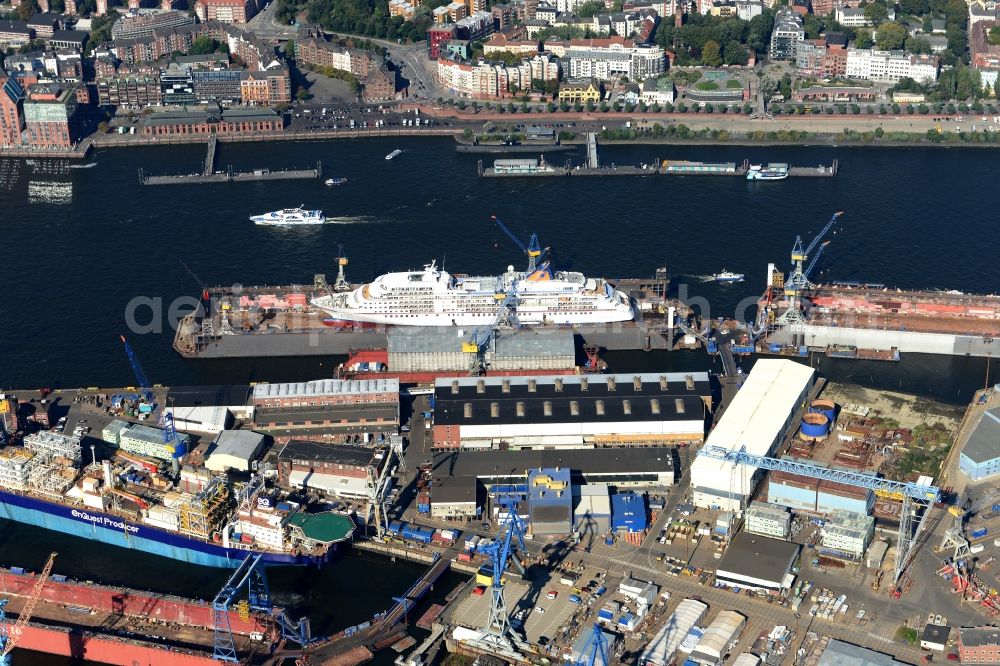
{"x":15,"y":467}
{"x":55,"y":445}
{"x":206,"y":512}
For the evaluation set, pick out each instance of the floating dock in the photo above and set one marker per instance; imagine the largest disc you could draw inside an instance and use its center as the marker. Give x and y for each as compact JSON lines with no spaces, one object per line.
{"x":534,"y":168}
{"x":210,"y":175}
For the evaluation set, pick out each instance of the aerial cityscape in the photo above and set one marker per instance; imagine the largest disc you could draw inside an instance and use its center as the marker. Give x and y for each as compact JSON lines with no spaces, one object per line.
{"x":488,"y":333}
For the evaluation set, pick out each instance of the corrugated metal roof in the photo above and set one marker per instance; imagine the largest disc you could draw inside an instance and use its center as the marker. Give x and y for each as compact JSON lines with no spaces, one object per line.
{"x":984,"y":443}
{"x":754,"y":419}
{"x":242,"y":444}
{"x":718,"y":634}
{"x":839,"y":653}
{"x":663,"y":645}
{"x":322,"y":387}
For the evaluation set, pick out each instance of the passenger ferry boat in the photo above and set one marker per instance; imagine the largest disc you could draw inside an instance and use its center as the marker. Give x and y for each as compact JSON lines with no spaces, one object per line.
{"x":336,"y":181}
{"x":433,"y":297}
{"x":726,"y":276}
{"x":290,"y":217}
{"x":769,"y":172}
{"x":395,"y":153}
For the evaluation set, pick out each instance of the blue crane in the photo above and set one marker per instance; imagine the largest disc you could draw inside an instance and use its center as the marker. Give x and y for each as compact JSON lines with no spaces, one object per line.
{"x":533,"y":249}
{"x":798,"y":278}
{"x":596,"y":651}
{"x":913,"y":495}
{"x":497,"y":630}
{"x":140,"y":375}
{"x":250,"y":576}
{"x":479,"y":342}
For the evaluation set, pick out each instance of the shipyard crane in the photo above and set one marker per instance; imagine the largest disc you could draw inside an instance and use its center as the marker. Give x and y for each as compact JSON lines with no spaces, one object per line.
{"x":250,"y":576}
{"x":481,"y":338}
{"x":498,"y":632}
{"x":533,"y":249}
{"x":9,"y":636}
{"x":913,"y":495}
{"x":341,"y":283}
{"x":961,"y":556}
{"x":798,"y":278}
{"x":377,"y":484}
{"x":596,"y":651}
{"x":140,"y":375}
{"x":206,"y":296}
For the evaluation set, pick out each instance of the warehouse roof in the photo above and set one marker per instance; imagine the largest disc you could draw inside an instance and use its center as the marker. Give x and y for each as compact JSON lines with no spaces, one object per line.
{"x":757,"y":558}
{"x":303,"y":449}
{"x":979,"y":636}
{"x":441,"y":339}
{"x":936,"y":633}
{"x":218,"y":395}
{"x":622,"y":385}
{"x":455,"y":490}
{"x":486,"y":464}
{"x":566,"y":408}
{"x":839,"y":653}
{"x":242,"y":444}
{"x":984,"y":443}
{"x":717,"y":635}
{"x":754,"y":419}
{"x":663,"y":645}
{"x":324,"y":387}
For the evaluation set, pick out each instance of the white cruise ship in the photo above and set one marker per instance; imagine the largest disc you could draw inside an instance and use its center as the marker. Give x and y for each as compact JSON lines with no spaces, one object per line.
{"x":290,"y":217}
{"x":432,"y":297}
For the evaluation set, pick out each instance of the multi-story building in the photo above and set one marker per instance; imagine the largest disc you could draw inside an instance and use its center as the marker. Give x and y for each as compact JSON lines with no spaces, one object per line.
{"x":129,"y":90}
{"x":747,"y":9}
{"x":499,"y":43}
{"x":316,"y":51}
{"x":489,"y":79}
{"x":146,"y":441}
{"x":787,"y":35}
{"x":337,"y":470}
{"x":979,"y":645}
{"x":474,"y":26}
{"x":985,"y":56}
{"x":267,"y":88}
{"x":402,"y":9}
{"x":847,"y":535}
{"x":209,"y":120}
{"x":177,"y":85}
{"x":850,"y":17}
{"x":506,"y":15}
{"x":15,"y":34}
{"x":69,"y":39}
{"x":217,"y":85}
{"x":835,"y":61}
{"x":809,"y":57}
{"x":380,"y":85}
{"x":657,"y":91}
{"x":770,"y":520}
{"x":45,"y":24}
{"x":583,"y":92}
{"x":456,"y":11}
{"x":890,"y":66}
{"x":49,"y":117}
{"x":226,"y":11}
{"x":436,"y":36}
{"x":614,"y":57}
{"x":137,"y":23}
{"x":11,"y":111}
{"x":331,"y":405}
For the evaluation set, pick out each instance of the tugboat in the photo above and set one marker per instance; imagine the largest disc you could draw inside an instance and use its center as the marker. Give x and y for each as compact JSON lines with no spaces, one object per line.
{"x":726,"y":276}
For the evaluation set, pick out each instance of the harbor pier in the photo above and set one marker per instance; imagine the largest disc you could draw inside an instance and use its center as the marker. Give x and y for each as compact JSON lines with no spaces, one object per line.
{"x":210,"y":175}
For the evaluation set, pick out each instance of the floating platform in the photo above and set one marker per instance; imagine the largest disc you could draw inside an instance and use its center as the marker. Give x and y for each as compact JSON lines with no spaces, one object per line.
{"x":521,"y":148}
{"x":210,"y":175}
{"x":530,"y":168}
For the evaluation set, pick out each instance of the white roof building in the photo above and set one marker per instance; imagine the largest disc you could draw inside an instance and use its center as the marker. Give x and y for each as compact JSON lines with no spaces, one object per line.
{"x":717,"y":638}
{"x":235,"y":449}
{"x":661,"y":648}
{"x":758,"y":418}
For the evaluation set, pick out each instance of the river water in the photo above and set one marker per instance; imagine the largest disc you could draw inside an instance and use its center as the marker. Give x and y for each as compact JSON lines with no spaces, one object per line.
{"x":82,"y":244}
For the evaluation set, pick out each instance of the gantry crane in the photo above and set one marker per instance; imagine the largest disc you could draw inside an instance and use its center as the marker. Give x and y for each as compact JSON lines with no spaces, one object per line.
{"x":9,"y":636}
{"x":913,"y":495}
{"x":377,"y":486}
{"x":596,"y":651}
{"x":341,"y":283}
{"x":797,"y":281}
{"x":498,"y":632}
{"x":250,"y":576}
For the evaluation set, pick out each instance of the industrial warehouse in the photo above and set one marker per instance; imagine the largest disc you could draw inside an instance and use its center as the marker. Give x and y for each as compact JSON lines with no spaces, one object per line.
{"x":546,"y":412}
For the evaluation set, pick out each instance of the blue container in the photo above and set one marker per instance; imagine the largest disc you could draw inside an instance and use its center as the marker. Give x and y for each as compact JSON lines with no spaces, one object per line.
{"x":817,"y":521}
{"x":803,"y":351}
{"x":711,"y":347}
{"x":59,"y":578}
{"x":19,"y":571}
{"x":396,"y":527}
{"x":979,"y":534}
{"x":774,"y":348}
{"x":743,"y":349}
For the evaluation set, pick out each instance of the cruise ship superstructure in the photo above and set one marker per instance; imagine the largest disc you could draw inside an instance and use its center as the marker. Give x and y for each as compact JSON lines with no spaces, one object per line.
{"x":433,"y":297}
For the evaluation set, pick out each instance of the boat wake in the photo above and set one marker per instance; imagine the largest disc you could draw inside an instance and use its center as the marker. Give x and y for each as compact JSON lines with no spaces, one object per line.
{"x":351,"y":219}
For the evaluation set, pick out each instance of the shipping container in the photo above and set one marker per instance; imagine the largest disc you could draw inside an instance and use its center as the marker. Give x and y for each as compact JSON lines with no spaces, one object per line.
{"x":979,"y":533}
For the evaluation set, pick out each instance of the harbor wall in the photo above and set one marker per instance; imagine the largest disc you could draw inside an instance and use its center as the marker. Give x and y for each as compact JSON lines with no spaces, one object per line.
{"x":77,"y":644}
{"x":906,"y":341}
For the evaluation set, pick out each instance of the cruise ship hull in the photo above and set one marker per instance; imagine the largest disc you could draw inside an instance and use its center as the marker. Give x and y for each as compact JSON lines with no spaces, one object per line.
{"x":109,"y":529}
{"x":524,"y":318}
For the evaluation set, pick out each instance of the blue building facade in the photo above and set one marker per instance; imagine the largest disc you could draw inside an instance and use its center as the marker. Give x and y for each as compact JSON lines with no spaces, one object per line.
{"x":628,"y":512}
{"x":980,"y":457}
